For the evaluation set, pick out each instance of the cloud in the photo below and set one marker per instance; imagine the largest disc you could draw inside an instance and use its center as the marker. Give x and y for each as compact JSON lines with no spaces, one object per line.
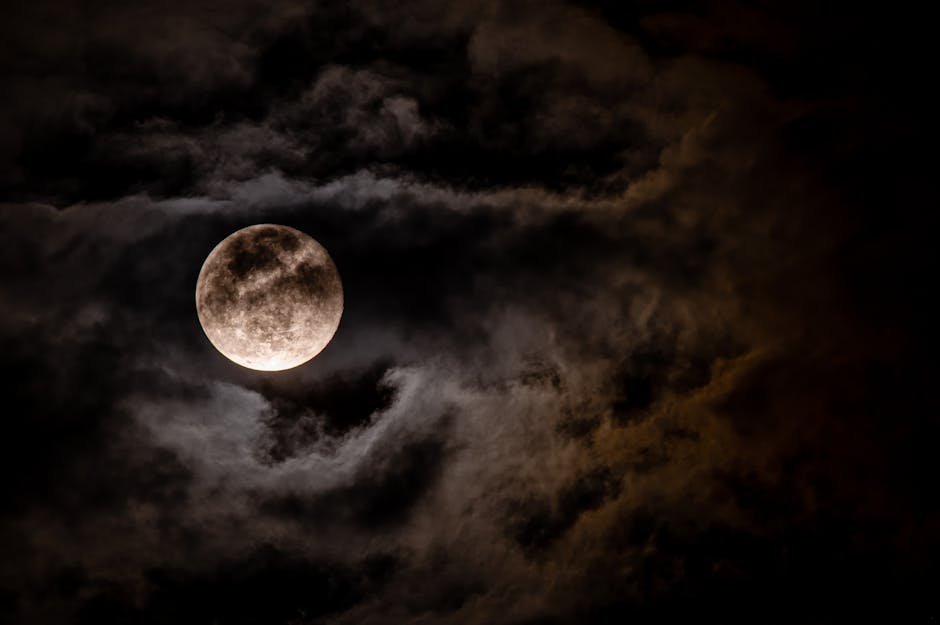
{"x":605,"y":353}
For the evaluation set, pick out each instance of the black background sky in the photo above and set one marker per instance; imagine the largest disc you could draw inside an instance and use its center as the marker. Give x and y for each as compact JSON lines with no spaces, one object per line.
{"x":637,"y":321}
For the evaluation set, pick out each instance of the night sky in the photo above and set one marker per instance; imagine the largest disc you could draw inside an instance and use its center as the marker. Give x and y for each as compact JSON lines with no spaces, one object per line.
{"x":637,"y":317}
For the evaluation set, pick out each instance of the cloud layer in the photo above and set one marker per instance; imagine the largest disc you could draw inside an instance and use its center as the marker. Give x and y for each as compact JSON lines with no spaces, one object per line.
{"x":635,"y":322}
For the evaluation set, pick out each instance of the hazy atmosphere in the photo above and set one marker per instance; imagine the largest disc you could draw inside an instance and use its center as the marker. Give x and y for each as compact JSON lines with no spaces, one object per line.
{"x":635,"y":328}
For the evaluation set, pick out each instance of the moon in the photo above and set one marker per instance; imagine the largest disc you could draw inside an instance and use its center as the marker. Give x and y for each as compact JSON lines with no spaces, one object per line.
{"x":269,"y":297}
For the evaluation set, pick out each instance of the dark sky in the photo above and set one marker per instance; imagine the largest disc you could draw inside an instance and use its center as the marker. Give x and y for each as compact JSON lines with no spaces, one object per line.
{"x":637,"y":322}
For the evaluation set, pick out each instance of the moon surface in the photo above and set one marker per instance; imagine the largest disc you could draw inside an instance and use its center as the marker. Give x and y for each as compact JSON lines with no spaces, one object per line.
{"x":269,"y":297}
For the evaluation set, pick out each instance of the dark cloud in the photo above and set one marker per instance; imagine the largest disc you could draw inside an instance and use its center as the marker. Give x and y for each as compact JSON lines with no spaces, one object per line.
{"x":637,"y":321}
{"x":537,"y":524}
{"x":302,"y":415}
{"x":264,"y":584}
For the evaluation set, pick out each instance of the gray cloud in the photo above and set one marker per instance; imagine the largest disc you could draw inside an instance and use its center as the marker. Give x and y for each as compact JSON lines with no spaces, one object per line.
{"x":603,"y":356}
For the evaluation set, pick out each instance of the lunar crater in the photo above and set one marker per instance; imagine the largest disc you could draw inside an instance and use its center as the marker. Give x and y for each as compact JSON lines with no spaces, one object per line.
{"x":269,"y":297}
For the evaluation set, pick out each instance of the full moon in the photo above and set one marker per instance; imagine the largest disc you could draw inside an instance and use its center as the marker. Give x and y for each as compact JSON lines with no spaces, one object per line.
{"x":269,"y":297}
